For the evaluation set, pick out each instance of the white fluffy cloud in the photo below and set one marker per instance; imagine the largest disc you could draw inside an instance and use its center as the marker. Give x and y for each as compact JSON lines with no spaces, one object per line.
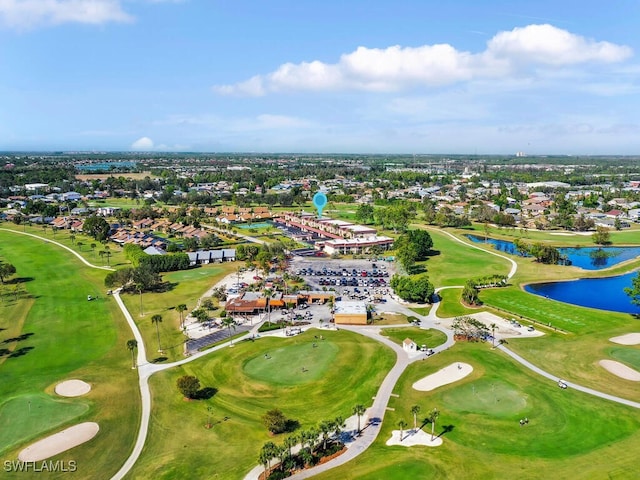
{"x":31,"y":13}
{"x":143,"y":143}
{"x":396,"y":67}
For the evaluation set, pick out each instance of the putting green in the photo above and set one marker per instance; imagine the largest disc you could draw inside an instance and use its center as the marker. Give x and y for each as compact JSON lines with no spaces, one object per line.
{"x":630,"y":356}
{"x":486,"y":396}
{"x":28,"y":416}
{"x":293,"y":364}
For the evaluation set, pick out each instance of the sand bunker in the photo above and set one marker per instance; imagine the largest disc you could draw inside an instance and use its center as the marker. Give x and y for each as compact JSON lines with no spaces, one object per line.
{"x":59,"y":442}
{"x":72,"y":388}
{"x":445,"y":376}
{"x":628,"y":339}
{"x":411,"y":438}
{"x":621,"y":370}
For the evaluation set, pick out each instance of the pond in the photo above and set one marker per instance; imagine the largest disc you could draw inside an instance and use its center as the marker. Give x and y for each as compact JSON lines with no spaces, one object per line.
{"x":587,"y":258}
{"x":601,"y":293}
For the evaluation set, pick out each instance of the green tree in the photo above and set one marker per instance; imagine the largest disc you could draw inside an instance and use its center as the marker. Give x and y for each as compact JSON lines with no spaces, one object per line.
{"x":275,"y":421}
{"x":157,"y":320}
{"x":359,"y":410}
{"x":96,"y":227}
{"x":188,"y":386}
{"x":634,"y":291}
{"x":181,"y":309}
{"x":402,"y":424}
{"x":364,"y":213}
{"x":132,"y":345}
{"x":415,"y":410}
{"x":6,"y":271}
{"x":601,"y":236}
{"x":229,"y":323}
{"x":433,"y":416}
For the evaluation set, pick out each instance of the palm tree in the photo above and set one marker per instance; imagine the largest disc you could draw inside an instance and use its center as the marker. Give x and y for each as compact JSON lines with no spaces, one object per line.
{"x":290,"y":442}
{"x":72,"y":237}
{"x":93,"y":248}
{"x":181,"y":308}
{"x":229,"y":323}
{"x":139,"y":287}
{"x":157,"y":319}
{"x":415,"y":410}
{"x":359,"y":410}
{"x":267,"y":294}
{"x":267,"y":454}
{"x":493,"y":334}
{"x":432,"y":418}
{"x":132,"y":345}
{"x":80,"y":244}
{"x":402,"y":424}
{"x":325,"y":428}
{"x":338,"y":425}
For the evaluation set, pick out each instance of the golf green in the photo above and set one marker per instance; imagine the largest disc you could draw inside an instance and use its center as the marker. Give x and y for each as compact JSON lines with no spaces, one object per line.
{"x":486,"y":396}
{"x":27,"y":416}
{"x":630,"y":356}
{"x":293,"y":364}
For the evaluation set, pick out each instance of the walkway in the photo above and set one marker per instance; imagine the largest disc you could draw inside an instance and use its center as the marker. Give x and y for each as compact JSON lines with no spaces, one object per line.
{"x":375,"y":412}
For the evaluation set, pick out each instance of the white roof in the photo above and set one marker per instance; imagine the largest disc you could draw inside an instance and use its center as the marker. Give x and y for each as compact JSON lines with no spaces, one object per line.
{"x":349,"y":307}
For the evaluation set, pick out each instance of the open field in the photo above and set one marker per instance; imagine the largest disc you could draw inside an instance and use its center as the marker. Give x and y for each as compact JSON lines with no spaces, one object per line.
{"x":63,"y":336}
{"x":87,"y":177}
{"x":431,"y":338}
{"x":186,"y":287}
{"x":479,"y":417}
{"x":180,"y":447}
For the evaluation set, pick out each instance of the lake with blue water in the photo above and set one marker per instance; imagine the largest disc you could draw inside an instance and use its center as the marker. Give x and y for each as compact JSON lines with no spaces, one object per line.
{"x":601,"y":293}
{"x":94,"y":167}
{"x":587,"y":258}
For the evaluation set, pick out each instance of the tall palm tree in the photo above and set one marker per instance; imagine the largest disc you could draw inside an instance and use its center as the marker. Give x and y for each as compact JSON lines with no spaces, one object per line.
{"x":80,"y":244}
{"x":433,"y":416}
{"x":290,"y":442}
{"x":493,"y":334}
{"x":181,"y":309}
{"x":157,"y":319}
{"x":72,"y":237}
{"x":267,"y":294}
{"x":132,"y":345}
{"x":93,"y":248}
{"x":229,"y":323}
{"x":415,"y":410}
{"x":359,"y":410}
{"x":268,"y":453}
{"x":325,"y":428}
{"x":402,"y":424}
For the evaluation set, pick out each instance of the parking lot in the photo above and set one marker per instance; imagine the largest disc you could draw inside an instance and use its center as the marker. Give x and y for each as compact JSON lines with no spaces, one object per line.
{"x":353,"y":279}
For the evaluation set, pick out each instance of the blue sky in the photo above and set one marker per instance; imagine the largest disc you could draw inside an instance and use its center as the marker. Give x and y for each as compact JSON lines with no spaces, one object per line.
{"x":349,"y":76}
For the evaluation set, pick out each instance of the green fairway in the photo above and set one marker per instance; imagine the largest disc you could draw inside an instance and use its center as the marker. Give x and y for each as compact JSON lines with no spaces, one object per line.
{"x":27,"y":416}
{"x":567,"y":433}
{"x":53,"y":333}
{"x":431,"y":337}
{"x":179,"y":446}
{"x":292,"y":364}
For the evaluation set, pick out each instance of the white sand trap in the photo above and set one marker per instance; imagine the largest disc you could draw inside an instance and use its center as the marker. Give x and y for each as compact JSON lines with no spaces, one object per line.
{"x":72,"y":388}
{"x":621,"y":370}
{"x":628,"y":339}
{"x":411,"y":438}
{"x":59,"y":442}
{"x":452,"y":373}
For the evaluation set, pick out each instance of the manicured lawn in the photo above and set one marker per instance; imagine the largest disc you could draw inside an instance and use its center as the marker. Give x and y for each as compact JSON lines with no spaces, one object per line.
{"x":454,"y":263}
{"x":186,"y":286}
{"x":451,"y":304}
{"x":479,"y":422}
{"x":64,"y":336}
{"x":628,"y":355}
{"x":293,"y":364}
{"x":389,"y":318}
{"x":431,"y":338}
{"x":179,"y":446}
{"x":23,"y":417}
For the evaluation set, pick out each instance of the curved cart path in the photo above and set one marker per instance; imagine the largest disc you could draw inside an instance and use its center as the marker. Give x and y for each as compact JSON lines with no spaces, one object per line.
{"x":80,"y":257}
{"x":375,"y":412}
